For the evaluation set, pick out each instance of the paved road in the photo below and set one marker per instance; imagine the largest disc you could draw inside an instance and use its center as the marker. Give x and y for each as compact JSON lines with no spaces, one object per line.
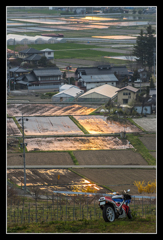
{"x":79,"y":166}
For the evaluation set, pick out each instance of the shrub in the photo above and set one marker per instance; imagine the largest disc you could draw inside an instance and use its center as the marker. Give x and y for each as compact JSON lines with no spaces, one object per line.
{"x":149,"y":188}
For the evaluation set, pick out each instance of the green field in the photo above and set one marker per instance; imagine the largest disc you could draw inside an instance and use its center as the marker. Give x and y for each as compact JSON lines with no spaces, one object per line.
{"x":78,"y":50}
{"x":56,"y":46}
{"x":137,"y":225}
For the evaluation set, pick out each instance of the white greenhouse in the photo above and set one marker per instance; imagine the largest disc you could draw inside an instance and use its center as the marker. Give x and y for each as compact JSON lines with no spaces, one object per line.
{"x":68,"y":95}
{"x":24,"y":39}
{"x":66,"y":86}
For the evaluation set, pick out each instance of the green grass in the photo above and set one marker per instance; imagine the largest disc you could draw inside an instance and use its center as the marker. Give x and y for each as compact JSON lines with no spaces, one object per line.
{"x":75,"y":161}
{"x":137,"y":225}
{"x":85,"y":53}
{"x":79,"y":125}
{"x":140,"y":148}
{"x":56,"y":46}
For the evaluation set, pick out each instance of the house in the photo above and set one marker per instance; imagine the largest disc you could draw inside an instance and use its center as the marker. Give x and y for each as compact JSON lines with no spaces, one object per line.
{"x":29,"y":52}
{"x":92,"y":81}
{"x":126,"y":94}
{"x":68,"y":95}
{"x":143,"y":74}
{"x":121,"y":71}
{"x":17,"y":72}
{"x":49,"y":54}
{"x":99,"y":94}
{"x":43,"y":77}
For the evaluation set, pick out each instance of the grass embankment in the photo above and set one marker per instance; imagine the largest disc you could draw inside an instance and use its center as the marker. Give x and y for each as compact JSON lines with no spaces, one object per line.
{"x":140,"y":148}
{"x":79,"y":125}
{"x":75,"y":161}
{"x":136,"y":225}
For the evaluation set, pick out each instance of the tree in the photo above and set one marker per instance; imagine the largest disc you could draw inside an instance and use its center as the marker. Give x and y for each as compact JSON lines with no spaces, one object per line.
{"x":152,"y":85}
{"x":43,"y":61}
{"x":136,"y":75}
{"x":64,"y":74}
{"x":139,"y":49}
{"x":144,"y":48}
{"x":150,"y":46}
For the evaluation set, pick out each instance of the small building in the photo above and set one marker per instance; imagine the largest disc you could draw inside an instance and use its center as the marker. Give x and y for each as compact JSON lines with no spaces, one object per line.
{"x":126,"y":94}
{"x":147,"y":109}
{"x":68,"y":95}
{"x":143,"y":74}
{"x":99,"y":94}
{"x":49,"y":54}
{"x":92,"y":81}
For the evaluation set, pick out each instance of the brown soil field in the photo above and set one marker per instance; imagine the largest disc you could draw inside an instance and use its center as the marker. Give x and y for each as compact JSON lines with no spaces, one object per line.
{"x":12,"y":129}
{"x":50,"y":126}
{"x":40,"y":178}
{"x":109,"y":157}
{"x":100,"y":124}
{"x":119,"y":179}
{"x":47,"y":109}
{"x":76,"y":143}
{"x":149,"y":141}
{"x":50,"y":158}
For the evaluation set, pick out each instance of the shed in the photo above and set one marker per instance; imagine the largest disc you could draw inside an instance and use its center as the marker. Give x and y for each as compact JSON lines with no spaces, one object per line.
{"x":99,"y":94}
{"x":68,"y":95}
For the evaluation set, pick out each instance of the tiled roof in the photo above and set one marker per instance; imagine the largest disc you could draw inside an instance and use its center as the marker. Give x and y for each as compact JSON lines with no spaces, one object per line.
{"x":30,"y":50}
{"x":33,"y":57}
{"x":47,"y":72}
{"x":130,"y":88}
{"x":99,"y":78}
{"x":98,"y":71}
{"x":18,"y":69}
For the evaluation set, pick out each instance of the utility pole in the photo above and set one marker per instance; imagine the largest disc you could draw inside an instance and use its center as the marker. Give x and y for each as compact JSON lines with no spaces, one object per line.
{"x":23,"y":145}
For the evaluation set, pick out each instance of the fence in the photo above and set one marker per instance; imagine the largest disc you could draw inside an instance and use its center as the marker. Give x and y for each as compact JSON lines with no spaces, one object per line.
{"x":65,"y":207}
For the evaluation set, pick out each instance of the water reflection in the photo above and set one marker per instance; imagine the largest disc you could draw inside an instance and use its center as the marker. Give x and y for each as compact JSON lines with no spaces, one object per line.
{"x":99,"y":18}
{"x":128,"y":58}
{"x":115,"y":37}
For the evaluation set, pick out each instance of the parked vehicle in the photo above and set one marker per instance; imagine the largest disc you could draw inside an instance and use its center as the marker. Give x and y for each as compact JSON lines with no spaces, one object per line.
{"x":116,"y":206}
{"x":138,"y":81}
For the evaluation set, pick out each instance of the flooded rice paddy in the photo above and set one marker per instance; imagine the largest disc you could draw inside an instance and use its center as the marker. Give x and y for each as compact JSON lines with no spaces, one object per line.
{"x":115,"y":37}
{"x":47,"y":109}
{"x":76,"y":143}
{"x":129,"y":58}
{"x":50,"y":126}
{"x":100,"y":124}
